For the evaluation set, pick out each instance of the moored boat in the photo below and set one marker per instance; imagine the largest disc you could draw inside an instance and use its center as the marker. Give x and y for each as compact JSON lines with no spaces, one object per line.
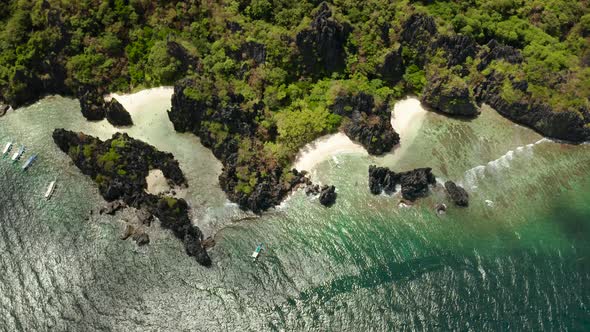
{"x":50,"y":189}
{"x":7,"y":148}
{"x":16,"y":156}
{"x":29,"y":162}
{"x":257,"y":251}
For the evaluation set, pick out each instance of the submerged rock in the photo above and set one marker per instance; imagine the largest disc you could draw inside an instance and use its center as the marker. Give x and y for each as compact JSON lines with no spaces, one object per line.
{"x":457,"y":194}
{"x":117,"y":115}
{"x":144,"y":217}
{"x":127,"y":232}
{"x":3,"y":109}
{"x":141,"y":238}
{"x":112,"y":207}
{"x":440,"y":208}
{"x":328,"y":196}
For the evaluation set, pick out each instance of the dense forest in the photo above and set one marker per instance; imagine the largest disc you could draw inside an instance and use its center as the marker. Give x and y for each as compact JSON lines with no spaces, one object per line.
{"x":257,"y":79}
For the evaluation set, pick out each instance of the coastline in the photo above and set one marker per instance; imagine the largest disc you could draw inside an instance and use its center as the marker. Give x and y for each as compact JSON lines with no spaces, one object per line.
{"x":407,"y":117}
{"x":133,"y":101}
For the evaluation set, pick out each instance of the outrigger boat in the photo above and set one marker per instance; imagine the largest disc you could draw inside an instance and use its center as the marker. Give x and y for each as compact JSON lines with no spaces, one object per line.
{"x":16,"y":156}
{"x":29,"y":162}
{"x":50,"y":189}
{"x":7,"y":148}
{"x":256,"y":252}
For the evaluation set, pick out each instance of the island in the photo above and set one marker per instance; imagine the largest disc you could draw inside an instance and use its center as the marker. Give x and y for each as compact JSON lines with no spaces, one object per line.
{"x":120,"y":166}
{"x":256,"y":80}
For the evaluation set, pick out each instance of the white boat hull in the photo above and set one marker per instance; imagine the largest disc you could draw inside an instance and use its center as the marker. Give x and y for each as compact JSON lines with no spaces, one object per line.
{"x":50,"y":189}
{"x":7,"y":148}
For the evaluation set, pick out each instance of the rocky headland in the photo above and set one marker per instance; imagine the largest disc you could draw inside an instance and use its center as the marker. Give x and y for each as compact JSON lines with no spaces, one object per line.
{"x":120,"y":166}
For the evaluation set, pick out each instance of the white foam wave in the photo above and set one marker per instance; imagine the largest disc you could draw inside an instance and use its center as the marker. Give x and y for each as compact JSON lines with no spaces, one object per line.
{"x":477,"y":173}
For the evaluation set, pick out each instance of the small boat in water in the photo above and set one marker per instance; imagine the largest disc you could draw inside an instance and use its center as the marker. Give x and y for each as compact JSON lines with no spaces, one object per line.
{"x":29,"y":162}
{"x":7,"y":148}
{"x":256,"y":252}
{"x":50,"y":189}
{"x":16,"y":156}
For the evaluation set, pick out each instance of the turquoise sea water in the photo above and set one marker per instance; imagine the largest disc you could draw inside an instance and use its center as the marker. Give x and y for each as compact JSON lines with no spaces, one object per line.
{"x":517,"y":259}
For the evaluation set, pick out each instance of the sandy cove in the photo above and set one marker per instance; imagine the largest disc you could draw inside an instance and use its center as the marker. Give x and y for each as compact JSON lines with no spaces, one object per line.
{"x":406,"y":118}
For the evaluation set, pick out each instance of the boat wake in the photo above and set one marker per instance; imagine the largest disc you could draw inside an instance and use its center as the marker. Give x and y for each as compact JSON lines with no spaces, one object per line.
{"x":477,"y":173}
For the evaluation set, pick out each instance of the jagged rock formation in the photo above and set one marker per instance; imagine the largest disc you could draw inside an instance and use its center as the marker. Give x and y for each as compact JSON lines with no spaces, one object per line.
{"x":367,"y":123}
{"x":92,"y":104}
{"x":417,"y":35}
{"x":95,"y":108}
{"x":392,"y":69}
{"x":119,"y":166}
{"x":414,"y":184}
{"x":457,"y":194}
{"x":457,"y":48}
{"x":566,"y":125}
{"x":116,"y":114}
{"x":269,"y":183}
{"x":321,"y":46}
{"x":497,"y":51}
{"x":449,"y":94}
{"x":328,"y":196}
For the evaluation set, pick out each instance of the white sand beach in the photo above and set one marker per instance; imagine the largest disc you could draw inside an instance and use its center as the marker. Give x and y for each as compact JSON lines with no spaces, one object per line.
{"x":325,"y":147}
{"x":406,"y":118}
{"x":156,"y":182}
{"x":135,"y":101}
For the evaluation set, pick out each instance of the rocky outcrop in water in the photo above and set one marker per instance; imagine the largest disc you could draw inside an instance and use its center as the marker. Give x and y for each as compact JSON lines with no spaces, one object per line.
{"x":457,"y":194}
{"x":120,"y":166}
{"x":95,"y":108}
{"x":367,"y":123}
{"x":92,"y":104}
{"x":449,"y":94}
{"x":116,"y":114}
{"x":328,"y":196}
{"x":414,"y":184}
{"x":321,"y":46}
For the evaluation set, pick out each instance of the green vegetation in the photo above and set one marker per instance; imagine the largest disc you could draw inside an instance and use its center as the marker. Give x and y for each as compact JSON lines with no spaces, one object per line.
{"x":119,"y":44}
{"x":262,"y":62}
